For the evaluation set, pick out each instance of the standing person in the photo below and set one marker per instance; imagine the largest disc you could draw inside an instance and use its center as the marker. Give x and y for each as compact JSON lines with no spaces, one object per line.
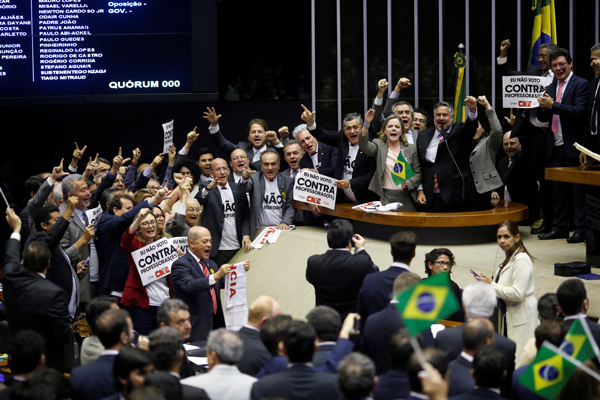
{"x":392,"y":141}
{"x":590,"y":139}
{"x":141,"y":301}
{"x":442,"y":260}
{"x":514,"y":286}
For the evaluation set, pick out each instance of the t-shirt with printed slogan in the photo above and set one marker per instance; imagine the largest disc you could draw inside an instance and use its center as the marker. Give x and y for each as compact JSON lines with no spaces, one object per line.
{"x":271,"y":214}
{"x":229,"y":240}
{"x":349,"y":170}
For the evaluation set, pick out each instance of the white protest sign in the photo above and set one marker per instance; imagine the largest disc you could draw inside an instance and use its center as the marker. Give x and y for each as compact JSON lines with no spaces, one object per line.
{"x":523,"y":91}
{"x":315,"y":189}
{"x":94,"y":215}
{"x":168,"y":129}
{"x":236,"y":304}
{"x":180,"y":241}
{"x":154,"y":260}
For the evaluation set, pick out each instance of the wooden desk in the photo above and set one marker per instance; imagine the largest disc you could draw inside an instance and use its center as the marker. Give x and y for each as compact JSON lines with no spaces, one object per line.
{"x":588,"y":176}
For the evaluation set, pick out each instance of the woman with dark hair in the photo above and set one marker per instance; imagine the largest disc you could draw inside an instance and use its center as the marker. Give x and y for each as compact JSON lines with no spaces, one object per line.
{"x":514,"y":286}
{"x":188,"y":168}
{"x":442,"y":260}
{"x":386,"y":149}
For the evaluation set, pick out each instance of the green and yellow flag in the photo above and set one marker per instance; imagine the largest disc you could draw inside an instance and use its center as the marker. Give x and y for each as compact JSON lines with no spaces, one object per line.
{"x":460,"y":111}
{"x":402,"y":171}
{"x":579,"y":342}
{"x":548,"y":372}
{"x":544,"y":27}
{"x":426,"y":302}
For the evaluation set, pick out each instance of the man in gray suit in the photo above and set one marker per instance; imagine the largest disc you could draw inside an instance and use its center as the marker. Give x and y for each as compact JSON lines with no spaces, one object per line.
{"x":271,"y":194}
{"x":224,"y":380}
{"x":401,"y":108}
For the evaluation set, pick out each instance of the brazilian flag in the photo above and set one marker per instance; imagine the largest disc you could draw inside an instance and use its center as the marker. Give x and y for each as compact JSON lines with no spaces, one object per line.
{"x":426,"y":302}
{"x":544,"y":27}
{"x":460,"y":110}
{"x":579,"y":342}
{"x":548,"y":372}
{"x":402,"y":171}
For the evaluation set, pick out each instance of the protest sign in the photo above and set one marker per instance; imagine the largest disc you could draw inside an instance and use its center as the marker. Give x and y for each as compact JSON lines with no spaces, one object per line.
{"x":236,"y":304}
{"x":523,"y":91}
{"x":180,"y":241}
{"x":168,"y":129}
{"x":94,"y":215}
{"x":154,"y":260}
{"x":315,"y":189}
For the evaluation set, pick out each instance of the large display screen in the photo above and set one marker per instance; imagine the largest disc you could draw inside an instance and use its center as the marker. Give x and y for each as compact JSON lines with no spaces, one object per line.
{"x":91,"y":47}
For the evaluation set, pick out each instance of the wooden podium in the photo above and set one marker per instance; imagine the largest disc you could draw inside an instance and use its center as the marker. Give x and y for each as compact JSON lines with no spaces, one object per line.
{"x":589,"y":176}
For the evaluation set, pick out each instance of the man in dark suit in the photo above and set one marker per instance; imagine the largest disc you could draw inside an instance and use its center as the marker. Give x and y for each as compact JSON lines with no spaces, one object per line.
{"x":255,"y":353}
{"x":477,"y":333}
{"x":380,"y":327}
{"x":226,"y":214}
{"x":197,"y":281}
{"x":446,"y":188}
{"x":317,"y":156}
{"x":394,"y":384}
{"x":590,"y":139}
{"x":327,"y":324}
{"x":130,"y":368}
{"x":356,"y":377}
{"x":176,"y":314}
{"x":94,"y":381}
{"x":271,"y":194}
{"x":354,"y":169}
{"x":25,"y":355}
{"x":299,"y":380}
{"x":564,"y":107}
{"x":488,"y":371}
{"x":338,"y":274}
{"x":376,"y":290}
{"x":479,"y":300}
{"x":437,"y":359}
{"x":573,"y":301}
{"x":527,"y":125}
{"x":31,"y":301}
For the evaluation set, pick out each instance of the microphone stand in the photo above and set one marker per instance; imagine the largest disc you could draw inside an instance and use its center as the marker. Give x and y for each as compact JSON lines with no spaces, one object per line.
{"x":443,"y":131}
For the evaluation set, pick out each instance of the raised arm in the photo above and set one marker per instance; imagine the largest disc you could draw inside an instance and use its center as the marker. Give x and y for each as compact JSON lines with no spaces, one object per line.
{"x":369,"y":148}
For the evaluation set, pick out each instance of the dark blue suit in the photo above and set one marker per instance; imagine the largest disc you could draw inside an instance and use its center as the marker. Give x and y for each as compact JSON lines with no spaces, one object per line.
{"x":322,"y":354}
{"x":273,"y":365}
{"x":328,"y":158}
{"x":460,"y":380}
{"x":573,"y":121}
{"x":191,"y":286}
{"x":297,"y":382}
{"x":255,"y":353}
{"x":393,"y":385}
{"x":478,"y":394}
{"x":94,"y":381}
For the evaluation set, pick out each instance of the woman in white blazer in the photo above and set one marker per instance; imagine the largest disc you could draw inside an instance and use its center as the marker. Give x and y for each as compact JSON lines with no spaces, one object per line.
{"x":514,"y":286}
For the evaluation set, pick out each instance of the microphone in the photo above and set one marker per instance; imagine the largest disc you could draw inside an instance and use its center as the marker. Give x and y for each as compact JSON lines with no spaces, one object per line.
{"x":444,"y":135}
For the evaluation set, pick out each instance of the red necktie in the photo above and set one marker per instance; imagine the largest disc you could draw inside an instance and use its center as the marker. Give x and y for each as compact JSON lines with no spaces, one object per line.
{"x":212,"y":289}
{"x":436,"y":185}
{"x":558,"y":99}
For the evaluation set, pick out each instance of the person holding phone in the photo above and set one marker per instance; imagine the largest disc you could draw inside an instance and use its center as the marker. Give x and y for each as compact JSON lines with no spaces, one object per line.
{"x":514,"y":286}
{"x":442,"y":260}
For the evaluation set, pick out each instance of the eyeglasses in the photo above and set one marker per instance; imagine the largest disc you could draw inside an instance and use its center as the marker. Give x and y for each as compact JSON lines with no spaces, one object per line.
{"x":147,"y":224}
{"x":559,"y":65}
{"x":542,"y":56}
{"x":157,"y":216}
{"x":153,"y":188}
{"x":239,"y":158}
{"x":421,"y":120}
{"x":444,"y":263}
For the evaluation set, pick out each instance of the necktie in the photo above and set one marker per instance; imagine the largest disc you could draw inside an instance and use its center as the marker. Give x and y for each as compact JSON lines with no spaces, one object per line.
{"x":257,"y":154}
{"x":212,"y":289}
{"x":294,"y":173}
{"x":436,"y":185}
{"x":85,"y":219}
{"x":558,"y":99}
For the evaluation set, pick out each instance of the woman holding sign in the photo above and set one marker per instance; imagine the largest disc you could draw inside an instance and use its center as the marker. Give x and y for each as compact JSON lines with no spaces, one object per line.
{"x":398,"y":170}
{"x":141,"y":301}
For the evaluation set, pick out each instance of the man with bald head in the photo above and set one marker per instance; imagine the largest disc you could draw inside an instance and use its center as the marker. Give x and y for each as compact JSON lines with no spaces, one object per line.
{"x":255,"y":353}
{"x":226,"y":213}
{"x":239,"y":162}
{"x":197,"y":280}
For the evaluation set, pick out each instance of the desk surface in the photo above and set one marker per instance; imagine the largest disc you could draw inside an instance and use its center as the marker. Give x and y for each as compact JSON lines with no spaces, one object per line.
{"x":588,"y":176}
{"x":502,"y":211}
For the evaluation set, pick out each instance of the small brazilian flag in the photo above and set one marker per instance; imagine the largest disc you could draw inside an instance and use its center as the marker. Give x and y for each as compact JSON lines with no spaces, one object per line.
{"x":426,"y":302}
{"x":548,"y":372}
{"x":460,"y":107}
{"x":402,"y":171}
{"x":579,"y":342}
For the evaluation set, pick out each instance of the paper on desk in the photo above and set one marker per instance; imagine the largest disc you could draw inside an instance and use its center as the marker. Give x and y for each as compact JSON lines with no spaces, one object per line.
{"x":190,"y":347}
{"x":584,"y":150}
{"x":201,"y":361}
{"x":376,"y":206}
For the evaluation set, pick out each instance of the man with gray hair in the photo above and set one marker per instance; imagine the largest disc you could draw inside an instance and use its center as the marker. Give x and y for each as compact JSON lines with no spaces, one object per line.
{"x":402,"y":109}
{"x":356,"y":376}
{"x":176,"y":314}
{"x":354,"y":169}
{"x":318,"y":156}
{"x":223,"y":381}
{"x":479,"y":301}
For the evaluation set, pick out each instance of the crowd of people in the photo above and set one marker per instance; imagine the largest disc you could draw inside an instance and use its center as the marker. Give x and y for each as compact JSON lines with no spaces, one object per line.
{"x":71,"y":257}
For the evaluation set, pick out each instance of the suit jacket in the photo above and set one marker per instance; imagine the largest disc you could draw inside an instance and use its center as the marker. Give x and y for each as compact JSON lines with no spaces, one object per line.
{"x":594,"y":327}
{"x":32,"y":302}
{"x":186,"y":366}
{"x":378,"y":332}
{"x":322,"y":354}
{"x":478,"y":394}
{"x":521,"y":181}
{"x":255,"y":186}
{"x":571,"y":111}
{"x":364,"y":166}
{"x":191,"y":286}
{"x":380,"y":116}
{"x":376,"y":292}
{"x":297,"y":382}
{"x":460,"y":380}
{"x":272,"y":366}
{"x":214,"y":215}
{"x":337,"y":277}
{"x":224,"y":382}
{"x":450,"y":340}
{"x":593,"y":104}
{"x":255,"y":353}
{"x":94,"y":381}
{"x":328,"y":159}
{"x":379,"y":149}
{"x":449,"y":178}
{"x":393,"y":385}
{"x":226,"y":146}
{"x":176,"y":225}
{"x":482,"y":159}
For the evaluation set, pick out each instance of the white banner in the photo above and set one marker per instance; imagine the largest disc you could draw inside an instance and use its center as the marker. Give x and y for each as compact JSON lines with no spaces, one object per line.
{"x":523,"y":91}
{"x":154,"y":260}
{"x":236,"y":303}
{"x":315,"y":189}
{"x":94,"y":215}
{"x":168,"y":129}
{"x":181,"y":242}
